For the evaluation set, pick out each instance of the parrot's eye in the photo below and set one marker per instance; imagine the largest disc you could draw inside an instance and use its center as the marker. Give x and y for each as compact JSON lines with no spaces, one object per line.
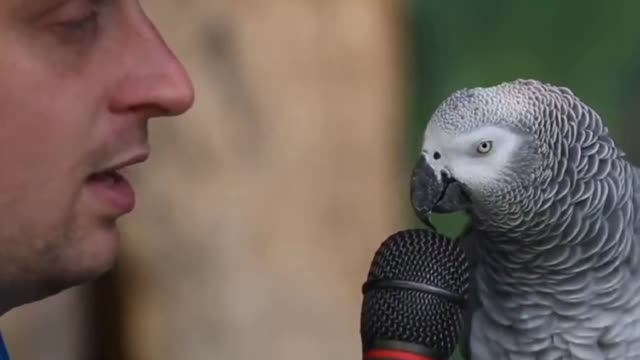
{"x":436,"y":155}
{"x":484,"y":147}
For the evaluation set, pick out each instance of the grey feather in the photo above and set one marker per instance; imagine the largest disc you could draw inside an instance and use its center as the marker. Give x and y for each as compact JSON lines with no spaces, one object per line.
{"x":556,"y":258}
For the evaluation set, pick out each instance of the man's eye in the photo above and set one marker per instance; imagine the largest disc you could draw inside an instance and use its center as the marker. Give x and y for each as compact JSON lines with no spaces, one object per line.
{"x":77,"y":28}
{"x":83,"y":24}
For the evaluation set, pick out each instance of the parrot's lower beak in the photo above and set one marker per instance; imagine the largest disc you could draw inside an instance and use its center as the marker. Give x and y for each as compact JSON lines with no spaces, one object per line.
{"x":432,"y":193}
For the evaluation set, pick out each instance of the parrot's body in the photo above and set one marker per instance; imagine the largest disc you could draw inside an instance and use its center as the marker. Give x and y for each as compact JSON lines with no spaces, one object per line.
{"x":554,"y":235}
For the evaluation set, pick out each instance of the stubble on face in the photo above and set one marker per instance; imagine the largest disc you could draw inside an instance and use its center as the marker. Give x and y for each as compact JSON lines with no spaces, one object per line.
{"x":80,"y":80}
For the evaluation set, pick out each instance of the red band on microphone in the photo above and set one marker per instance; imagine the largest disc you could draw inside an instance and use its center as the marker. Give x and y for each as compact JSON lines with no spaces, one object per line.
{"x":393,"y":355}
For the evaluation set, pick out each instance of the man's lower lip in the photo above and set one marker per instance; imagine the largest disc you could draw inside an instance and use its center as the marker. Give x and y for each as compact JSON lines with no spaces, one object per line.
{"x":117,"y":194}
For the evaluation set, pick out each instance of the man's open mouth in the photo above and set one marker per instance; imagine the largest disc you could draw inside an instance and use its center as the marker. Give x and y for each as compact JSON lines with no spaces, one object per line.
{"x":112,"y":189}
{"x":109,"y":176}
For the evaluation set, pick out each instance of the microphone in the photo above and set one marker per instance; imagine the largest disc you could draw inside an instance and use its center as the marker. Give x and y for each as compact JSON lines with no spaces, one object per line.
{"x":414,"y":298}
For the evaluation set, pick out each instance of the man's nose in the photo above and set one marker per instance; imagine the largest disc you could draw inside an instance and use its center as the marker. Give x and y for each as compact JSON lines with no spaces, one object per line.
{"x":154,"y":82}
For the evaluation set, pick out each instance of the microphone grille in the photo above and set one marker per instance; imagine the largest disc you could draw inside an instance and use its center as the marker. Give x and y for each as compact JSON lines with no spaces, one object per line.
{"x":391,"y":313}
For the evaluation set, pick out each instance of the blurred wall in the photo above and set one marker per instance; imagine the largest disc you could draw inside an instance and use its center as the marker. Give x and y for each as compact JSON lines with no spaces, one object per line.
{"x":260,"y":209}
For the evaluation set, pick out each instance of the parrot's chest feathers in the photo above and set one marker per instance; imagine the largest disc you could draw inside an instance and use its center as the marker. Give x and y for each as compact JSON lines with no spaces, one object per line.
{"x":567,"y":302}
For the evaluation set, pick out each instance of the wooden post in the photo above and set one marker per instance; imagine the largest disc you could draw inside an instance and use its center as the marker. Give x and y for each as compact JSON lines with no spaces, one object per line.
{"x":261,"y":208}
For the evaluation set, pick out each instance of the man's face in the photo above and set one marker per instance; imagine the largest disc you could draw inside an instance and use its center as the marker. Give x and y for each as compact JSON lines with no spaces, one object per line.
{"x":79,"y":80}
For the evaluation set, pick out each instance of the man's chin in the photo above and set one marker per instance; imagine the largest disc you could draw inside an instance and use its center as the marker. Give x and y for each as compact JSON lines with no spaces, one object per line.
{"x":76,"y":276}
{"x":96,"y":255}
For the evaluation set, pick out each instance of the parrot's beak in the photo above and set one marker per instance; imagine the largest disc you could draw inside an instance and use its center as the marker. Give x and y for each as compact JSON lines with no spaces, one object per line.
{"x":432,"y":193}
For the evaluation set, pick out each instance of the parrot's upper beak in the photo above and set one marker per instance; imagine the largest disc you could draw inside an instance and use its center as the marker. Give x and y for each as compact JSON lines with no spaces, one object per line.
{"x":430,"y":193}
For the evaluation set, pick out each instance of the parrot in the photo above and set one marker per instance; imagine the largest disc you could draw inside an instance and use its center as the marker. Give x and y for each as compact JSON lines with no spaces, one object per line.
{"x":553,"y":232}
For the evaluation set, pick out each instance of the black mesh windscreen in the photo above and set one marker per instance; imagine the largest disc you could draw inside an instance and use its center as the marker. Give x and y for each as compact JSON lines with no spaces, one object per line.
{"x":425,"y":257}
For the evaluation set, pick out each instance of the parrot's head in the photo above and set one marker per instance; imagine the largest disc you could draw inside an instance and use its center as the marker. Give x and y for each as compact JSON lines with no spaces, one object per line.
{"x":486,"y":150}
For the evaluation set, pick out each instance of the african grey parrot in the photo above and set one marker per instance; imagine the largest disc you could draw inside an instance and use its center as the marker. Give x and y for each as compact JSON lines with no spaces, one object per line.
{"x":554,"y":232}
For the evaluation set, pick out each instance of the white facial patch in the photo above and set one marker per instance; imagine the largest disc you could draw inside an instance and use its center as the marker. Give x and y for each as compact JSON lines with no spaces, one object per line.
{"x":459,"y":154}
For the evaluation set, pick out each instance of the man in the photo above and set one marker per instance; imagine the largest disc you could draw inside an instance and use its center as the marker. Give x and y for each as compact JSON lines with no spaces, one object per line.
{"x":79,"y":81}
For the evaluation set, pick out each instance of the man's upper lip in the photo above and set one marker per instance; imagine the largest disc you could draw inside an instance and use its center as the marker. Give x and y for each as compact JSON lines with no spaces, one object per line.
{"x":128,"y":161}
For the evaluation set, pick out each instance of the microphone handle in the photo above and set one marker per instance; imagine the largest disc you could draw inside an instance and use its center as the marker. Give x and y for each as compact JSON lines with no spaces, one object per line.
{"x":400,"y":350}
{"x":394,"y":355}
